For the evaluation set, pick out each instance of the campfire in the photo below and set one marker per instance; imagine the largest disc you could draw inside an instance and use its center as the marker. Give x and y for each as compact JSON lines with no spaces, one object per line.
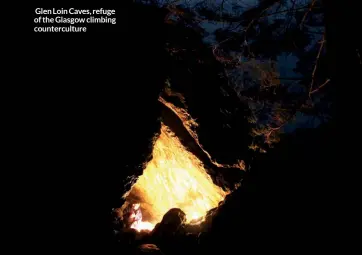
{"x":173,"y":178}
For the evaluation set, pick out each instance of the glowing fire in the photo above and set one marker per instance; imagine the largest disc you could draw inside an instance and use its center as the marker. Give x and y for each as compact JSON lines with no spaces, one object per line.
{"x":174,"y":178}
{"x":138,"y":224}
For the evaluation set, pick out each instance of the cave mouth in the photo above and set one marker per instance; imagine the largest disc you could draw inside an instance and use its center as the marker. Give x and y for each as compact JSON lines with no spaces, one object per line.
{"x":174,"y":178}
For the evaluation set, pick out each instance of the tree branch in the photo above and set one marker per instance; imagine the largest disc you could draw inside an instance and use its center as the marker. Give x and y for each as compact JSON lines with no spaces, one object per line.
{"x":315,"y":66}
{"x":305,"y":15}
{"x":321,"y":86}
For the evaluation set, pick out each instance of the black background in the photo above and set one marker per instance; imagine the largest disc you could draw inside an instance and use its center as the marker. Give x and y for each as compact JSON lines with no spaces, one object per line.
{"x":86,"y":109}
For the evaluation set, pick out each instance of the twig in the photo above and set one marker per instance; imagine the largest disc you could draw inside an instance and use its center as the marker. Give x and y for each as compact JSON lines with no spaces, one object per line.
{"x":270,"y":14}
{"x":315,"y":66}
{"x":306,"y":13}
{"x":288,"y":10}
{"x":272,"y":130}
{"x":257,"y":18}
{"x":251,"y":23}
{"x":321,"y":86}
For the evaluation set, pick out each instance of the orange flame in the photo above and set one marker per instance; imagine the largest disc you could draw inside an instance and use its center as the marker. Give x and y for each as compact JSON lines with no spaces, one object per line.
{"x":174,"y":178}
{"x":138,"y":224}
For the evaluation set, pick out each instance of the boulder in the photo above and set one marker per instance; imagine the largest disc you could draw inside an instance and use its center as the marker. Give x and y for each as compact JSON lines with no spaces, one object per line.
{"x":150,"y":249}
{"x":170,"y":224}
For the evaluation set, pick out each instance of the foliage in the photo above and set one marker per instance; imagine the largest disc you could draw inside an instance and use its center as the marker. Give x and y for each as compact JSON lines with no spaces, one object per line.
{"x":249,"y":41}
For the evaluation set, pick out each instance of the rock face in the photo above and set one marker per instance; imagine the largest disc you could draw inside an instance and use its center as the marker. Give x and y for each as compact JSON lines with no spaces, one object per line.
{"x":221,"y":176}
{"x":167,"y":234}
{"x":150,"y":249}
{"x":170,"y":234}
{"x":170,"y":224}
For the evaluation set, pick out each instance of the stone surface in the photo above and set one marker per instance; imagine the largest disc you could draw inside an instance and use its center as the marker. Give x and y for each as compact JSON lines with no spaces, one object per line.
{"x":150,"y":249}
{"x":171,"y":222}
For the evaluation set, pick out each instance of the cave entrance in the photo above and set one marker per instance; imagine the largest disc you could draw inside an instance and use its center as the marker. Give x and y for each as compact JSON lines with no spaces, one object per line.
{"x":174,"y":178}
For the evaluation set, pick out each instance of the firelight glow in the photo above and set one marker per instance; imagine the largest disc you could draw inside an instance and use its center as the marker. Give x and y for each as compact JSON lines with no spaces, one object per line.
{"x":174,"y":178}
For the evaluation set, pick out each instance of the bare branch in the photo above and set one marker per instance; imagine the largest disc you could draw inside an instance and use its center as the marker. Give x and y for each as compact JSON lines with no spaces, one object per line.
{"x":321,"y":86}
{"x":315,"y":66}
{"x":283,"y":11}
{"x":305,"y":15}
